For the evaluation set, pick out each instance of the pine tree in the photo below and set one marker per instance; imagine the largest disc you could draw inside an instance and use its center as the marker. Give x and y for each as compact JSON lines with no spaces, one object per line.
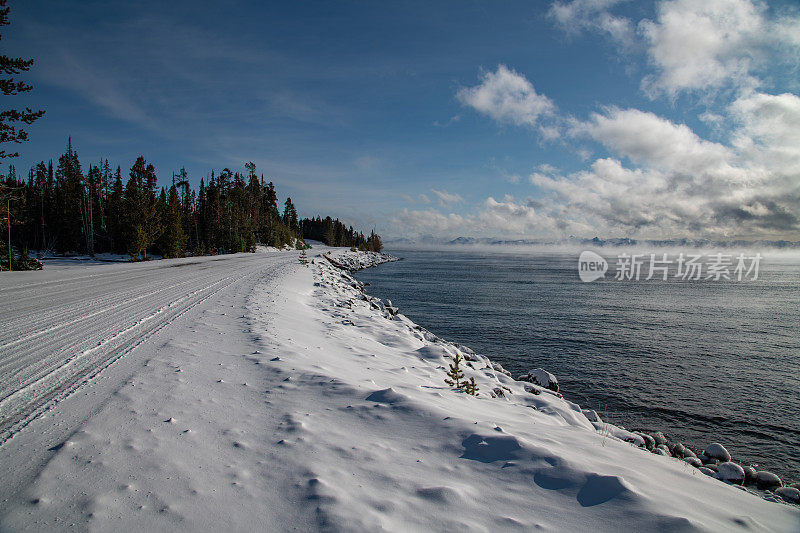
{"x":172,"y":242}
{"x":374,"y":243}
{"x":140,"y":205}
{"x":9,"y":133}
{"x":455,"y":375}
{"x":116,"y":218}
{"x":70,"y":199}
{"x":290,"y":215}
{"x":470,"y":387}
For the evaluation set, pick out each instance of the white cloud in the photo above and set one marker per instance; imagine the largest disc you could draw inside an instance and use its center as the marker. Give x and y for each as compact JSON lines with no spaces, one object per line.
{"x":697,"y":44}
{"x":702,"y":44}
{"x":446,"y":198}
{"x":693,"y":44}
{"x":428,"y":222}
{"x":511,"y":217}
{"x":648,"y":139}
{"x":770,"y":129}
{"x":576,"y":16}
{"x":683,"y":185}
{"x":509,"y":97}
{"x":507,"y":217}
{"x":424,"y":199}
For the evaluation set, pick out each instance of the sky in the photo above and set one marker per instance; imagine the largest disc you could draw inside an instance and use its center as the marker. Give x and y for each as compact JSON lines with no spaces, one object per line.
{"x":529,"y":119}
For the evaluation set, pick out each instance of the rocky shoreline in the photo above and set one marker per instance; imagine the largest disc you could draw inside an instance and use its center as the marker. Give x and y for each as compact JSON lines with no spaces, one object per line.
{"x":714,"y":460}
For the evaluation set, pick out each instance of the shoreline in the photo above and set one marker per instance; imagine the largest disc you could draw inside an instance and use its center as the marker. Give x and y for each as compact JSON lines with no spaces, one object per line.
{"x":657,"y":441}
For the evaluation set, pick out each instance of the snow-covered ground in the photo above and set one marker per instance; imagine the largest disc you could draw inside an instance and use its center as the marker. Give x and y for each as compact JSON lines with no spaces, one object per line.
{"x":252,"y":393}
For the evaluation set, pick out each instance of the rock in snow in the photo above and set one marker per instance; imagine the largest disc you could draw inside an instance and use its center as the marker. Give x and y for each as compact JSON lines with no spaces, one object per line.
{"x":749,"y":475}
{"x":541,"y":377}
{"x":767,"y":480}
{"x":707,"y":471}
{"x":678,"y":449}
{"x":789,"y":494}
{"x":717,"y":451}
{"x":659,"y":438}
{"x":707,"y":460}
{"x":694,"y":461}
{"x":649,"y":442}
{"x":730,"y":473}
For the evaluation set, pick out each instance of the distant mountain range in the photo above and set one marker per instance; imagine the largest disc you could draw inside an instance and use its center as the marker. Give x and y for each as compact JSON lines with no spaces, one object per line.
{"x":575,"y":241}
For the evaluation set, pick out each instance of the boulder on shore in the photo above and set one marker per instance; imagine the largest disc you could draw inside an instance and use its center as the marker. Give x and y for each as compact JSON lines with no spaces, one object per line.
{"x":789,"y":494}
{"x":767,"y":480}
{"x":749,"y":475}
{"x":677,"y":450}
{"x":649,"y":442}
{"x":717,"y":451}
{"x":659,"y":438}
{"x":707,"y":471}
{"x":706,"y":459}
{"x":694,"y":461}
{"x":730,"y":473}
{"x":541,"y":377}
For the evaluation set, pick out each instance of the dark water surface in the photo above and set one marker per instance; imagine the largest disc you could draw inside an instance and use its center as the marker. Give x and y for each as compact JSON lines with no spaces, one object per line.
{"x":702,"y":361}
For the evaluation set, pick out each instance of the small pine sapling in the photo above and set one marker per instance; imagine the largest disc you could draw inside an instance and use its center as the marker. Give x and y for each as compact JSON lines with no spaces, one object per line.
{"x":470,"y":387}
{"x":303,"y":258}
{"x":455,"y":376}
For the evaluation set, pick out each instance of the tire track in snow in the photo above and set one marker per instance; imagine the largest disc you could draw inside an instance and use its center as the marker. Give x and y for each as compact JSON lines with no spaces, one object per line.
{"x":70,"y":354}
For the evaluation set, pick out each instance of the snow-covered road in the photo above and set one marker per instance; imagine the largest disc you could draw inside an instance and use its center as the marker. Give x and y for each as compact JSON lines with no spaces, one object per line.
{"x":61,"y":327}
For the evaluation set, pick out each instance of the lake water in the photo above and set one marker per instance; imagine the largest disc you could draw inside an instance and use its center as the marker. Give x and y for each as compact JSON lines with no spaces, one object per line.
{"x":700,"y":360}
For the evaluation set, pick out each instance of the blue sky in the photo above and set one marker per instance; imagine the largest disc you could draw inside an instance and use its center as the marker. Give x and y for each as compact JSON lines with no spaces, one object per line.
{"x":672,"y":118}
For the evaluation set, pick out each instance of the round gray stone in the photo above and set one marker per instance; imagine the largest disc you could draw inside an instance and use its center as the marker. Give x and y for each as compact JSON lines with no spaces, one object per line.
{"x":717,"y":451}
{"x":694,"y":461}
{"x":707,"y":471}
{"x":749,"y":475}
{"x":677,"y":449}
{"x":767,"y":480}
{"x":789,"y":494}
{"x":730,"y":473}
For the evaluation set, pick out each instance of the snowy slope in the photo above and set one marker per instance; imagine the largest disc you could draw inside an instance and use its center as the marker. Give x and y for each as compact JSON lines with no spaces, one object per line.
{"x":291,"y":401}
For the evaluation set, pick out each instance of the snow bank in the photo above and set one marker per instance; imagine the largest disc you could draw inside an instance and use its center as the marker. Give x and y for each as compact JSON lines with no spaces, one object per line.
{"x":352,"y":261}
{"x":395,"y":448}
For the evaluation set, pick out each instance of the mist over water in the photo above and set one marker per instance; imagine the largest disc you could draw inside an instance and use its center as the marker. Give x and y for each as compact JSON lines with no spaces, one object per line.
{"x":702,"y":361}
